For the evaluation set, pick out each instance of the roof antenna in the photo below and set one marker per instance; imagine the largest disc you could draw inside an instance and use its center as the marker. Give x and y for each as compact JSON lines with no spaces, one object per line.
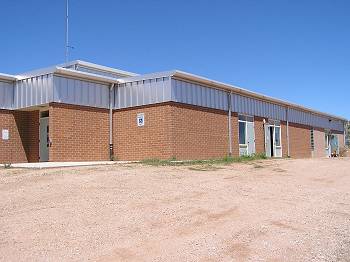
{"x":67,"y":32}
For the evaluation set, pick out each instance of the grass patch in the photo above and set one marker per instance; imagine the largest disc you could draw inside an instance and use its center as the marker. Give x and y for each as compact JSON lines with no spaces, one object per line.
{"x":204,"y":168}
{"x":220,"y":161}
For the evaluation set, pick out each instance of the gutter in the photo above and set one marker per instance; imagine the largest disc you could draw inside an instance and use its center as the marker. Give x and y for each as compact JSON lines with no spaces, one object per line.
{"x":111,"y":150}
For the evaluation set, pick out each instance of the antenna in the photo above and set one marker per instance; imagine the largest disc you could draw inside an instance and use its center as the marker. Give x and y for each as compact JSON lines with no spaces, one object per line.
{"x":67,"y":32}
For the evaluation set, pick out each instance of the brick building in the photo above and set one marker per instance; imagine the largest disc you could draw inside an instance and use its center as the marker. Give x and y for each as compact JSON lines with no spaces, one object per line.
{"x":81,"y":111}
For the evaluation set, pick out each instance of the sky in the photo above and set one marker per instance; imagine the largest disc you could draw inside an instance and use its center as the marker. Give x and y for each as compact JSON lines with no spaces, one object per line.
{"x":294,"y":50}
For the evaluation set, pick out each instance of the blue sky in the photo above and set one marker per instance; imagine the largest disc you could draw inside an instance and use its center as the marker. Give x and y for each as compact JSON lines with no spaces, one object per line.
{"x":295,"y":50}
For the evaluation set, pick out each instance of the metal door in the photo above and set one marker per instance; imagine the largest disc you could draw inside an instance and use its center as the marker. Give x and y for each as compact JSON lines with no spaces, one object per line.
{"x":250,"y":138}
{"x":44,"y":139}
{"x":327,"y":145}
{"x":267,"y":140}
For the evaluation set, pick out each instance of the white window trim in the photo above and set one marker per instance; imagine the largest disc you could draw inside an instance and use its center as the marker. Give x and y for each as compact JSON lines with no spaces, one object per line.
{"x":246,"y":130}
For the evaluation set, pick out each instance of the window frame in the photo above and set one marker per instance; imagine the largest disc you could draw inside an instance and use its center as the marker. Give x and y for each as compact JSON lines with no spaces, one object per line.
{"x":244,"y":119}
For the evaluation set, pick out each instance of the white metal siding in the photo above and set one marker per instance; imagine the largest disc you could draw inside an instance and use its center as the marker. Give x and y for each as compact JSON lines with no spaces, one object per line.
{"x":79,"y":92}
{"x":307,"y":118}
{"x":256,"y":107}
{"x":6,"y":95}
{"x":33,"y":91}
{"x":199,"y":95}
{"x":143,"y":92}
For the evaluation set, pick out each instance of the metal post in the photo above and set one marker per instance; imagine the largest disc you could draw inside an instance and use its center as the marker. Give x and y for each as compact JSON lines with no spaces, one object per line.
{"x":287,"y":118}
{"x":229,"y":123}
{"x":111,"y":153}
{"x":67,"y":39}
{"x":345,"y":133}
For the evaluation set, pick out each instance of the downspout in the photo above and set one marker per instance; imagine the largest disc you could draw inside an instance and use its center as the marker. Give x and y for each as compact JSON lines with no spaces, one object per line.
{"x":345,"y":129}
{"x":111,"y":153}
{"x":229,"y":123}
{"x":287,"y":118}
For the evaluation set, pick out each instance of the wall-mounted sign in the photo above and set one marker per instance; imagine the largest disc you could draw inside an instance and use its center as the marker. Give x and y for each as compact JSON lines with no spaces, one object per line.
{"x":140,"y":119}
{"x":5,"y":134}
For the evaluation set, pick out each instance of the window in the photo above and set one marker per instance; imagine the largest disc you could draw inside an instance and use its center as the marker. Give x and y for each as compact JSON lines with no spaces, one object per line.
{"x":245,"y":118}
{"x":242,"y":133}
{"x":277,"y":136}
{"x":312,"y":139}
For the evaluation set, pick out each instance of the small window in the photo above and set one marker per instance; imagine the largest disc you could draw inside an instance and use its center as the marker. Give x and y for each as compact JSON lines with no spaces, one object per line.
{"x":44,"y":114}
{"x":277,"y":136}
{"x":242,"y":133}
{"x":242,"y":118}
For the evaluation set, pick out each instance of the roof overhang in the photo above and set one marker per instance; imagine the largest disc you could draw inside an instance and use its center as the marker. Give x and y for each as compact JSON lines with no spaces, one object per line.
{"x":57,"y":70}
{"x":98,"y":68}
{"x":83,"y":75}
{"x":7,"y":78}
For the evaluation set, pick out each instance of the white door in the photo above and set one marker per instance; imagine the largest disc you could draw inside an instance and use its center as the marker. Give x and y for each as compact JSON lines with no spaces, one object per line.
{"x":250,"y":138}
{"x":242,"y":133}
{"x":277,"y":141}
{"x":267,"y":140}
{"x":44,"y":139}
{"x":273,"y":144}
{"x":327,"y":145}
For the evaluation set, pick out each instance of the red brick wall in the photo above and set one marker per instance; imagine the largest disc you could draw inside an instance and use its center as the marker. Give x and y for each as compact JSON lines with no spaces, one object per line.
{"x":190,"y":132}
{"x":259,"y":135}
{"x":173,"y":130}
{"x":284,"y":139}
{"x":319,"y":142}
{"x":201,"y":133}
{"x":299,"y":140}
{"x":153,"y":140}
{"x":78,"y":133}
{"x":23,"y":145}
{"x":235,"y":132}
{"x":28,"y":128}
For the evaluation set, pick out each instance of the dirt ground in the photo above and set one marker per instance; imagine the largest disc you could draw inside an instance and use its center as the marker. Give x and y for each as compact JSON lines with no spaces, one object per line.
{"x":270,"y":210}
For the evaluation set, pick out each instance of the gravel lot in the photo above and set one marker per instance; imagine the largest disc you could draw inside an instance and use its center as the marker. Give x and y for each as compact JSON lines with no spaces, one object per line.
{"x":271,"y":210}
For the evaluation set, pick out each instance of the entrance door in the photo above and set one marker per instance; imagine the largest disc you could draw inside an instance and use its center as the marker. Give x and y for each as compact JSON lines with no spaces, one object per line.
{"x":44,"y":139}
{"x":277,"y":141}
{"x":272,"y":140}
{"x":273,"y":146}
{"x":250,"y":138}
{"x":268,"y":140}
{"x":327,"y":144}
